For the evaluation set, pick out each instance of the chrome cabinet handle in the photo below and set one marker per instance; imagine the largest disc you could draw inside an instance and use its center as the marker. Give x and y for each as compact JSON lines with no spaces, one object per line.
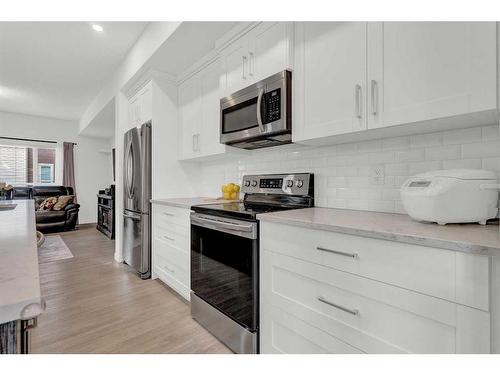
{"x":198,"y":142}
{"x":244,"y":62}
{"x":374,"y":97}
{"x":350,"y":255}
{"x":169,"y":238}
{"x":329,"y":303}
{"x":168,"y":214}
{"x":358,"y":94}
{"x":251,"y":64}
{"x":259,"y":115}
{"x":193,"y":142}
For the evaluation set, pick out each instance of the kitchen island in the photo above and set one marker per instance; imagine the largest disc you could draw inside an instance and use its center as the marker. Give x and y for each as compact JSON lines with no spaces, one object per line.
{"x":20,"y":297}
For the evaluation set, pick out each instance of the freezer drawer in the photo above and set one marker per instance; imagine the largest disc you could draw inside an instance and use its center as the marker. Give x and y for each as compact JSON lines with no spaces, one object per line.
{"x":136,"y":242}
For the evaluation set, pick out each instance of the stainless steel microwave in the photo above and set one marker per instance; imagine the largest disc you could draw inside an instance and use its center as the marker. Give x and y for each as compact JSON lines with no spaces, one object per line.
{"x":259,"y":115}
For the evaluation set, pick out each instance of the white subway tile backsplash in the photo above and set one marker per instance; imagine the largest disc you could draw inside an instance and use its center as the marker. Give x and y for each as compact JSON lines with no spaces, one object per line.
{"x":492,"y":164}
{"x":462,"y":164}
{"x":399,"y":143}
{"x":460,"y":136}
{"x":410,"y":155}
{"x":491,"y":133}
{"x":443,"y":152}
{"x":425,"y":166}
{"x":343,"y":173}
{"x":483,"y":149}
{"x":426,"y":140}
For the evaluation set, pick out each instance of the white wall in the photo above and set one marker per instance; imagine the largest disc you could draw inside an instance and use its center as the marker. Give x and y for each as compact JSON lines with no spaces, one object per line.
{"x":343,"y":172}
{"x":92,"y":168}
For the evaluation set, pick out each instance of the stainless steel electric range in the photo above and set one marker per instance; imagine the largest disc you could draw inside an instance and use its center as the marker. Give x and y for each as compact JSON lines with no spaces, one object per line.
{"x":225,"y":256}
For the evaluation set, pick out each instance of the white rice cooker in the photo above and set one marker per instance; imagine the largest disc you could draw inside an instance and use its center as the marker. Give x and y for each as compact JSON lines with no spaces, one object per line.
{"x":452,"y":196}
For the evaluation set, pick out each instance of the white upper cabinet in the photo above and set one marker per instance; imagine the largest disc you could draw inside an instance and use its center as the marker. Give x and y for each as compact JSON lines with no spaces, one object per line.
{"x":199,"y":114}
{"x":420,"y":71}
{"x":190,"y":116}
{"x":261,"y":52}
{"x":141,"y":106}
{"x":329,"y":81}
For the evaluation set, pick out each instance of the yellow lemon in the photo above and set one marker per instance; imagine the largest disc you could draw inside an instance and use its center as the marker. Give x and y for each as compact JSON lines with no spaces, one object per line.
{"x":234,"y":195}
{"x":237,"y":188}
{"x":227,"y":195}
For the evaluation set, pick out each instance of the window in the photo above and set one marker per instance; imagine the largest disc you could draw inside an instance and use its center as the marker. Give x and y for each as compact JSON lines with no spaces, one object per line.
{"x":21,"y":165}
{"x":46,"y":173}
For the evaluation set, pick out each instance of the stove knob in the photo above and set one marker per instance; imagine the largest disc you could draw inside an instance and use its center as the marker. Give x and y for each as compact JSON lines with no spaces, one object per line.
{"x":300,"y":183}
{"x":247,"y":183}
{"x":289,"y":183}
{"x":254,"y":183}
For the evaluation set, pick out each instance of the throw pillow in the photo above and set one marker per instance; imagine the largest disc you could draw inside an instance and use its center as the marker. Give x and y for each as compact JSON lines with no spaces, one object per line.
{"x":47,"y":204}
{"x":62,"y":202}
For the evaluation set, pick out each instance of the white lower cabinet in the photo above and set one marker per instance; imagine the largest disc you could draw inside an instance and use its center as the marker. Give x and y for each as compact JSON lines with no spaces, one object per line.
{"x":171,"y":247}
{"x":313,"y":305}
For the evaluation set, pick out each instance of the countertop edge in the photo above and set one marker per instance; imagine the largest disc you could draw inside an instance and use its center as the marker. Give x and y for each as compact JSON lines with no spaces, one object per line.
{"x":463,"y":247}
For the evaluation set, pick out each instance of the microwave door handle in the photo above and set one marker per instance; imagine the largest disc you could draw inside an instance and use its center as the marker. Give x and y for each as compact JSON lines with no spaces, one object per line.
{"x":259,"y":114}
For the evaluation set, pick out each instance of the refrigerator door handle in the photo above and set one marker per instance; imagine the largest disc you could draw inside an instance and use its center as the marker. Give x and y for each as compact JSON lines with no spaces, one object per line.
{"x":132,"y":216}
{"x":129,"y":173}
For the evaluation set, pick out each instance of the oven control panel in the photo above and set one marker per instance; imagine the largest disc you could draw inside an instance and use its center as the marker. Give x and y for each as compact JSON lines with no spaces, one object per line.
{"x":287,"y":184}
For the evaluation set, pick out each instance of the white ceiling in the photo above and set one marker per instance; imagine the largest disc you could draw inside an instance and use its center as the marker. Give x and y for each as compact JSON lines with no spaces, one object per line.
{"x":55,"y":69}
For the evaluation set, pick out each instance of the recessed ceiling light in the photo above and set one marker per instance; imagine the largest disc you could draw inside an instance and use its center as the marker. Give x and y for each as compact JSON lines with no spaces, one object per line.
{"x":97,"y":27}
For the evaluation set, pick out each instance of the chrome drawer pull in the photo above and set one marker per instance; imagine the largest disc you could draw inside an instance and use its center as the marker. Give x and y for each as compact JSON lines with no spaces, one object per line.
{"x":350,"y":255}
{"x":169,"y":238}
{"x":168,"y":214}
{"x":347,"y":310}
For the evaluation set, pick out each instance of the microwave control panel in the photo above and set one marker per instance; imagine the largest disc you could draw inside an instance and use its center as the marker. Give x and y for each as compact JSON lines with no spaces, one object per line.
{"x":272,"y":106}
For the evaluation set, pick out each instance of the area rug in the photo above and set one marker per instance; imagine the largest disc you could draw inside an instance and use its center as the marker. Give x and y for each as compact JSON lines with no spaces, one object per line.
{"x":53,"y":249}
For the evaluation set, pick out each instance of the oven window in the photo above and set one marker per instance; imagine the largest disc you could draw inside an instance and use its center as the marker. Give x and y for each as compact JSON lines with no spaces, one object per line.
{"x":222,"y":273}
{"x":240,"y":117}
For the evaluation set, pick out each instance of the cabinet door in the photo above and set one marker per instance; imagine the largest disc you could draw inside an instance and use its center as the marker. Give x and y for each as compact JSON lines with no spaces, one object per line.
{"x":190,"y":116}
{"x":209,"y":132}
{"x":235,"y":66}
{"x":132,"y":111}
{"x":145,"y":104}
{"x":269,"y":50}
{"x":428,"y":70}
{"x":329,"y":79}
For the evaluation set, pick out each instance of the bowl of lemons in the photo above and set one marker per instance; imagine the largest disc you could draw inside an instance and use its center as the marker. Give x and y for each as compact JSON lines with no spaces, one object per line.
{"x":231,"y":191}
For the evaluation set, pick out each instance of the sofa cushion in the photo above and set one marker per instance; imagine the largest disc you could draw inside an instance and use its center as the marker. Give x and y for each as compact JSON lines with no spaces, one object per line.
{"x":40,"y":193}
{"x":50,"y":216}
{"x":47,"y":204}
{"x":62,"y":202}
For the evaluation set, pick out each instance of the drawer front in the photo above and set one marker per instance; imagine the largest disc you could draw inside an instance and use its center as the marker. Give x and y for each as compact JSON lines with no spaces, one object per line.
{"x":174,"y":235}
{"x":368,"y":315}
{"x":430,"y":271}
{"x":166,"y":215}
{"x":173,"y":262}
{"x":289,"y":335}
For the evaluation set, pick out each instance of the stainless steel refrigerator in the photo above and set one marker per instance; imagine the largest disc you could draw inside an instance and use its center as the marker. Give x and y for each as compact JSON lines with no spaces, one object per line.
{"x":136,"y":200}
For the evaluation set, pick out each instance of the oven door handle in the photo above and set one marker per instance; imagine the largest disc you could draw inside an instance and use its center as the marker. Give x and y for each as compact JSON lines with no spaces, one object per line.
{"x":259,"y":111}
{"x":222,"y":225}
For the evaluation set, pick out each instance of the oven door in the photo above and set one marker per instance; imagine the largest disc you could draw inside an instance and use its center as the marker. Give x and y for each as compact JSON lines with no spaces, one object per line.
{"x":224,"y":266}
{"x":257,"y":111}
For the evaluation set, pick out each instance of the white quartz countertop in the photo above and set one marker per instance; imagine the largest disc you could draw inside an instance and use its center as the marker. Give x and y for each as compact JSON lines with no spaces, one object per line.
{"x":470,"y":238}
{"x":19,"y":277}
{"x":188,"y":202}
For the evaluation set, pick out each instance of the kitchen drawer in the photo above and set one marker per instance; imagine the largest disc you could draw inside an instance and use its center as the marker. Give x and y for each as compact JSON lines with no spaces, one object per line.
{"x":427,"y":270}
{"x":173,"y":262}
{"x":371,"y":316}
{"x":170,"y":215}
{"x":289,"y":335}
{"x":175,"y":235}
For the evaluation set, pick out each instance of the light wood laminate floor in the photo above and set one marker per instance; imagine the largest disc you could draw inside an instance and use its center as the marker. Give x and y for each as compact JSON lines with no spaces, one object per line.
{"x":95,"y":305}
